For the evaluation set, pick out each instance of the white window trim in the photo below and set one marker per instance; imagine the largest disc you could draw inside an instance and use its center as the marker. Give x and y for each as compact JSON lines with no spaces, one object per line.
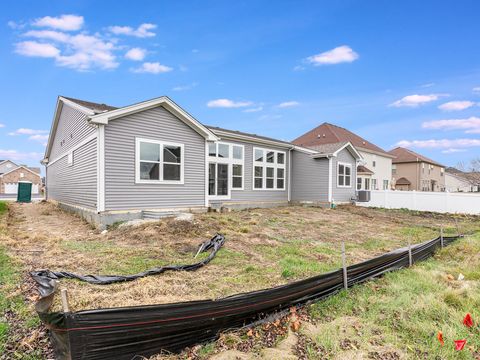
{"x":161,"y":163}
{"x":264,"y":164}
{"x":338,"y":177}
{"x":230,"y":161}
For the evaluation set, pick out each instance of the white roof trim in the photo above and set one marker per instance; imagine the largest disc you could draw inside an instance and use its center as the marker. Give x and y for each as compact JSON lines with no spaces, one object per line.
{"x":304,"y":149}
{"x":76,"y":106}
{"x":4,"y":161}
{"x":167,"y":103}
{"x":21,"y":167}
{"x":349,"y":144}
{"x":254,"y":139}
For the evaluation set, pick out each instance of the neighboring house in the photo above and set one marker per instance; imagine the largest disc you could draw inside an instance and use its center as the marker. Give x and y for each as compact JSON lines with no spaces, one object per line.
{"x":374,"y":172}
{"x":11,"y":174}
{"x":412,"y":171}
{"x":459,"y":181}
{"x":112,"y":164}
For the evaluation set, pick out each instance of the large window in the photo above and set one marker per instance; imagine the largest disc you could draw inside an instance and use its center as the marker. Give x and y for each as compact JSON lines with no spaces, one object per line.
{"x":158,"y":162}
{"x":268,"y":169}
{"x":359,"y":183}
{"x":344,"y":175}
{"x":226,"y":165}
{"x":385,"y":184}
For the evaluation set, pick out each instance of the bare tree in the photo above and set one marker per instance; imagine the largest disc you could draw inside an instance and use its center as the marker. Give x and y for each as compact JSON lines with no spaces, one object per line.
{"x":471,"y":171}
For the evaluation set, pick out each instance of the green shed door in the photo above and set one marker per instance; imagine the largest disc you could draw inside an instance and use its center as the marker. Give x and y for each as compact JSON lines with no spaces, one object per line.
{"x":24,"y":192}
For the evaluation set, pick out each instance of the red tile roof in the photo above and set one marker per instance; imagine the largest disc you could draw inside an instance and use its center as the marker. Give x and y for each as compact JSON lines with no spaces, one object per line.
{"x":328,"y":133}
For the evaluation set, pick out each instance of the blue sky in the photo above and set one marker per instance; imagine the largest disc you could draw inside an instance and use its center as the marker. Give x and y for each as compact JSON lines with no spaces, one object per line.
{"x":394,"y":72}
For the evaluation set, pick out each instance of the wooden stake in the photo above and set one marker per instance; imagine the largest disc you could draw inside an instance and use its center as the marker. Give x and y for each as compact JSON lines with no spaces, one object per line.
{"x":441,"y":236}
{"x":410,"y":259}
{"x":456,"y":224}
{"x":344,"y":266}
{"x":64,"y":297}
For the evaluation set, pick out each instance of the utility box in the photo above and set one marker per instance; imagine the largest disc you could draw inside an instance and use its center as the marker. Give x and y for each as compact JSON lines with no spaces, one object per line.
{"x":24,"y":194}
{"x":363,"y":196}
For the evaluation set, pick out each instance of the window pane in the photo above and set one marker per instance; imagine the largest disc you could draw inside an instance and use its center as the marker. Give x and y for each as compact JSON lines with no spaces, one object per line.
{"x":236,"y":182}
{"x":340,"y":180}
{"x":211,"y":178}
{"x":258,"y":183}
{"x":270,"y":157}
{"x":149,"y":171}
{"x":359,"y":183}
{"x":212,"y":149}
{"x":171,"y":172}
{"x":172,"y":154}
{"x":237,"y":170}
{"x":270,"y":172}
{"x":149,"y":151}
{"x":237,"y":152}
{"x":269,"y":183}
{"x":280,"y":158}
{"x":280,"y":173}
{"x":258,"y":171}
{"x":347,"y":170}
{"x":280,"y":183}
{"x":341,"y":170}
{"x":223,"y":150}
{"x":258,"y":155}
{"x":347,"y":180}
{"x":222,"y":179}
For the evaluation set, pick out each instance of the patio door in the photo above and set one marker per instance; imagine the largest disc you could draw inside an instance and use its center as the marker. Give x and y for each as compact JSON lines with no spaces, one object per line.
{"x":218,"y":186}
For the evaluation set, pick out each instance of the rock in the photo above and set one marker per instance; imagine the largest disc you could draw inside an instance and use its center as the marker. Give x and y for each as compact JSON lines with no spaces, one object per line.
{"x":104,"y":232}
{"x":461,"y":277}
{"x":184,"y":217}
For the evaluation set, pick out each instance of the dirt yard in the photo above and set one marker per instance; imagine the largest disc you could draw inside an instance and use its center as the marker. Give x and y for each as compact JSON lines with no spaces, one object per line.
{"x":264,"y":248}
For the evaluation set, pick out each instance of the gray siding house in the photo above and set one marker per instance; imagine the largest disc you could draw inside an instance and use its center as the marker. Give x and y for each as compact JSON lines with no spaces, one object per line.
{"x":111,"y":164}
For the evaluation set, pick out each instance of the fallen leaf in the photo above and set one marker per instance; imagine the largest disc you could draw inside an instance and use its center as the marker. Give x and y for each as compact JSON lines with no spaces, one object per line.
{"x":440,"y":338}
{"x":468,"y":321}
{"x":459,"y":344}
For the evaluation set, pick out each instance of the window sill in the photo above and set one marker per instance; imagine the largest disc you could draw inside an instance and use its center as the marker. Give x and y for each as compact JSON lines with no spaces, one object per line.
{"x":160,"y":182}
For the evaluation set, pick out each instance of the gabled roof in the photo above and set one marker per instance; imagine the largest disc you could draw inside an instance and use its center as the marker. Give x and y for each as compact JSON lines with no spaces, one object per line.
{"x":328,"y":150}
{"x":328,"y":133}
{"x":21,"y":167}
{"x":95,"y":107}
{"x":403,"y":181}
{"x":403,"y":155}
{"x":361,"y":169}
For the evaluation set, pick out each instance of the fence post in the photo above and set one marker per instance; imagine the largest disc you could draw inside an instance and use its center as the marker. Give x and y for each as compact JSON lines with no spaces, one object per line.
{"x":344,"y":266}
{"x":64,"y":296}
{"x":410,"y":259}
{"x":441,"y":236}
{"x":456,"y":224}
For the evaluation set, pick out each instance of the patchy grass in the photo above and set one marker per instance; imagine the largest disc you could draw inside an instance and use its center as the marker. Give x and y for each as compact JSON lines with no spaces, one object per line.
{"x":3,"y":207}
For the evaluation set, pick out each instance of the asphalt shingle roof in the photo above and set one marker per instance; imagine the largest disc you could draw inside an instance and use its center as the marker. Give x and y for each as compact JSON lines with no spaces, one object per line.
{"x":403,"y":155}
{"x":92,"y":105}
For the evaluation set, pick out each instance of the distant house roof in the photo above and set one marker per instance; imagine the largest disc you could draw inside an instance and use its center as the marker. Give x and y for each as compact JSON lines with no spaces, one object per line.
{"x":403,"y":155}
{"x":328,"y":133}
{"x":453,"y":170}
{"x":328,"y":148}
{"x":403,"y":181}
{"x":364,"y":170}
{"x":34,"y":169}
{"x":95,"y":107}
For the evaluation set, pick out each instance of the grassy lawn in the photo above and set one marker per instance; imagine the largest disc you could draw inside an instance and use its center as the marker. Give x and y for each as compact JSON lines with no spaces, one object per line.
{"x":264,"y":248}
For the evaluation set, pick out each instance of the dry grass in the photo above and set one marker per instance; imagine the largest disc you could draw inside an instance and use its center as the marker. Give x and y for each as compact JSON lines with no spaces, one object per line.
{"x":264,"y":248}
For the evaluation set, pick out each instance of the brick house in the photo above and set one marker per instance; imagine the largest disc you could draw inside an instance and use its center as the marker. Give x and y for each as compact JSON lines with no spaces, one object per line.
{"x":11,"y":174}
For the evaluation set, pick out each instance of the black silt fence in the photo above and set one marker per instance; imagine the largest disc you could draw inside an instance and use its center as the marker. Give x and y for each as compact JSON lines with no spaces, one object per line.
{"x":123,"y":333}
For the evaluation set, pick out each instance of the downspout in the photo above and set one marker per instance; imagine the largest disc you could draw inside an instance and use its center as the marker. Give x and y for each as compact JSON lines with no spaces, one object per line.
{"x":330,"y":180}
{"x":289,"y":168}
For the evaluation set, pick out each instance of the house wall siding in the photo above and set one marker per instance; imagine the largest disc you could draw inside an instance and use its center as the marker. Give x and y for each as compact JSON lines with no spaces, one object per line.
{"x":72,"y":129}
{"x":76,"y":184}
{"x":248,"y":195}
{"x":121,"y":191}
{"x":309,"y":178}
{"x":344,"y":194}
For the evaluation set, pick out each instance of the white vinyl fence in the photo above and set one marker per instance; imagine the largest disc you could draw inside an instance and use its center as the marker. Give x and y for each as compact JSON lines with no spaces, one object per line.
{"x":442,"y":202}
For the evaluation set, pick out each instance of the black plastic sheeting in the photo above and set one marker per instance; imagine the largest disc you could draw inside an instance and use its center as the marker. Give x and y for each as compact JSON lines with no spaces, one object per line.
{"x":123,"y":333}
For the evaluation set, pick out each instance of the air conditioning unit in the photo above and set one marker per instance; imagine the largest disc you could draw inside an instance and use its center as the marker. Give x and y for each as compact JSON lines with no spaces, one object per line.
{"x":363,"y":196}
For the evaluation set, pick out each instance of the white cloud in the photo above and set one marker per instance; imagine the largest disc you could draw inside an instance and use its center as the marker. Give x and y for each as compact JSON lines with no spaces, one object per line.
{"x":252,"y":110}
{"x":2,"y":125}
{"x":153,"y":68}
{"x":338,"y":55}
{"x":288,"y":104}
{"x":227,"y":103}
{"x":453,"y":151}
{"x":440,"y":144}
{"x":26,"y":131}
{"x":36,"y":49}
{"x":15,"y":25}
{"x":416,"y":100}
{"x":136,"y":54}
{"x":298,"y":68}
{"x":40,"y":138}
{"x":476,"y":89}
{"x":456,"y":105}
{"x":62,"y":22}
{"x":185,"y":87}
{"x":20,"y":156}
{"x":427,"y":85}
{"x":48,"y":35}
{"x":143,"y":31}
{"x":471,"y":125}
